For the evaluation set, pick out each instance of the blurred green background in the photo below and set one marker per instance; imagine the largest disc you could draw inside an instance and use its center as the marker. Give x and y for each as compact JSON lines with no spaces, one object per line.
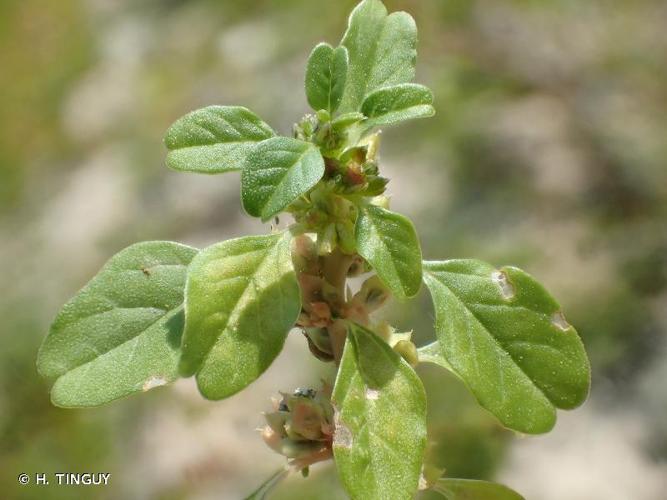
{"x":549,"y":151}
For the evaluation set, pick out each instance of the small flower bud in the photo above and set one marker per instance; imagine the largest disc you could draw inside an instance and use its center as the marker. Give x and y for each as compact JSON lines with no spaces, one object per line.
{"x":407,"y":351}
{"x":354,"y":155}
{"x":299,"y":449}
{"x":323,"y":116}
{"x":272,"y":439}
{"x":302,"y":427}
{"x":373,"y":294}
{"x":276,"y":420}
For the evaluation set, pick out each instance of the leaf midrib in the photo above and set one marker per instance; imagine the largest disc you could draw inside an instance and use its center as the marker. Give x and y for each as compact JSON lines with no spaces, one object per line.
{"x":280,"y":183}
{"x":218,"y":139}
{"x":220,"y":144}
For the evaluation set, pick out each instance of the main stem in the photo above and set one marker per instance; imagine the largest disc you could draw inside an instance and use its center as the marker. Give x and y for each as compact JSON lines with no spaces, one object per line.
{"x":335,"y":267}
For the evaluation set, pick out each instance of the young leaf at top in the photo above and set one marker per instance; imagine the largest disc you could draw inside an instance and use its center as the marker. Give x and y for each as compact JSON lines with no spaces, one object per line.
{"x":277,"y":172}
{"x":506,"y":337}
{"x":382,"y":50}
{"x":388,"y":241}
{"x":325,"y":77}
{"x":214,"y":139}
{"x":399,"y":103}
{"x":241,"y":299}
{"x":121,"y":333}
{"x":469,"y":489}
{"x":380,"y":420}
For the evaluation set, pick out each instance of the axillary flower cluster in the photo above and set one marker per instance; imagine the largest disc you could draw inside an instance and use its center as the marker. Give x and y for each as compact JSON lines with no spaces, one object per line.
{"x":301,"y":425}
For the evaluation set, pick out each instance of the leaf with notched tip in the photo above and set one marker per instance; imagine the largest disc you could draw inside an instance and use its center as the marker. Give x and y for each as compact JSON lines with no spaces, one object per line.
{"x":505,"y":336}
{"x":382,"y":51}
{"x":121,"y":333}
{"x":325,"y":77}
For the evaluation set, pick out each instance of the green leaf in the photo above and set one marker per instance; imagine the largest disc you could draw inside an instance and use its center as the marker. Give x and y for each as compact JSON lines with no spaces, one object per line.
{"x":277,"y":172}
{"x":506,"y":337}
{"x":241,"y":300}
{"x":121,"y":333}
{"x":325,"y":77}
{"x":382,"y":51}
{"x":399,"y":103}
{"x":214,"y":139}
{"x":388,"y":241}
{"x":432,"y":353}
{"x":380,"y":420}
{"x":470,"y":489}
{"x":346,"y":120}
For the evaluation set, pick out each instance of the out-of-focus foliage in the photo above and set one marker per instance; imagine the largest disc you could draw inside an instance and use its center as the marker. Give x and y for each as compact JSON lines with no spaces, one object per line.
{"x":548,"y":151}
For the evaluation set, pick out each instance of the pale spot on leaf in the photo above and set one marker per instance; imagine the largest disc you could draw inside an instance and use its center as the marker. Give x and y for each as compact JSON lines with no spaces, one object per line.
{"x":372,"y":394}
{"x":342,"y":436}
{"x":506,"y":288}
{"x":423,"y":483}
{"x":559,"y":320}
{"x":153,"y":382}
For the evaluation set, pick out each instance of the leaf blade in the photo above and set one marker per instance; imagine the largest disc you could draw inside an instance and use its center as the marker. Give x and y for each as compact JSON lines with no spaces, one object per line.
{"x":380,"y":418}
{"x":498,"y":330}
{"x":214,"y":139}
{"x":134,"y":299}
{"x":470,"y":489}
{"x":326,"y":74}
{"x":389,"y":242}
{"x":158,"y":349}
{"x":382,"y":50}
{"x":391,"y":105}
{"x":277,"y":172}
{"x":432,"y":353}
{"x":242,"y":298}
